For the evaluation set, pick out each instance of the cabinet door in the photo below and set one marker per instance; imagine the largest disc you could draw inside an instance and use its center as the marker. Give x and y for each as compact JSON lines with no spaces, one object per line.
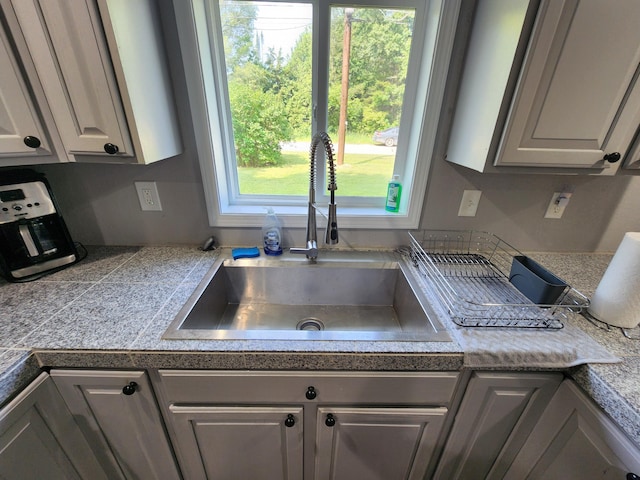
{"x":125,"y":429}
{"x":632,"y":160}
{"x":252,"y":442}
{"x":68,"y":48}
{"x":574,"y":439}
{"x":376,"y":443}
{"x":39,"y":439}
{"x":496,"y":415}
{"x":18,"y":116}
{"x":578,"y":97}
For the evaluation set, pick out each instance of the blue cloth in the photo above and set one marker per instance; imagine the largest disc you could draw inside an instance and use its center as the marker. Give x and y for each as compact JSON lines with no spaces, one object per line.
{"x":245,"y":253}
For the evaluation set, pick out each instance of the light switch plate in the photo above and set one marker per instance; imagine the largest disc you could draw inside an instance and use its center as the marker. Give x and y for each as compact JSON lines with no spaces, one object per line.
{"x":148,"y":196}
{"x":469,"y":203}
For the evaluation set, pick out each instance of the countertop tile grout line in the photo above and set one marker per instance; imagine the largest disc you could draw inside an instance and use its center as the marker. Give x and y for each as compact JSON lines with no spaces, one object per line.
{"x":93,"y":285}
{"x":55,"y":314}
{"x":107,"y":275}
{"x":166,"y":302}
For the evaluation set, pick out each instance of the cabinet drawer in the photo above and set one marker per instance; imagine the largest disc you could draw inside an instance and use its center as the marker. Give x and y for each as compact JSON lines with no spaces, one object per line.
{"x":392,"y":388}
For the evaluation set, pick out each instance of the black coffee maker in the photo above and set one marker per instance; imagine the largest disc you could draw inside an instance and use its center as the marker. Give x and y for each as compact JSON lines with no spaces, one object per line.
{"x":34,"y":239}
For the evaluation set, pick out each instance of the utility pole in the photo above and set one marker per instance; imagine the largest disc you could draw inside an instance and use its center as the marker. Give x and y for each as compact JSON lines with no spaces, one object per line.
{"x":344,"y":95}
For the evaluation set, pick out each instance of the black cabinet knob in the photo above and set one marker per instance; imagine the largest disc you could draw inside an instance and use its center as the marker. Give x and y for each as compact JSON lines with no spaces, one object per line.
{"x":290,"y":421}
{"x":330,"y":421}
{"x":31,"y":142}
{"x":612,"y":157}
{"x":130,"y":389}
{"x":632,"y":476}
{"x":110,"y":148}
{"x":311,"y":393}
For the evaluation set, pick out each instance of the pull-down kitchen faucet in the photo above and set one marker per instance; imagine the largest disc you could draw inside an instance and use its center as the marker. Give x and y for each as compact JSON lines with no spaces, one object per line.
{"x":331,"y":234}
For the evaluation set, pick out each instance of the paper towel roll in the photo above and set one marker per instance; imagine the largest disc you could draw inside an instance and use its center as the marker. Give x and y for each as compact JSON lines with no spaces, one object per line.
{"x":617,"y":298}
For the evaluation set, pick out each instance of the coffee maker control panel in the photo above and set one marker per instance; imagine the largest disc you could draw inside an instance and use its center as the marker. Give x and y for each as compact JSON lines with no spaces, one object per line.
{"x":24,"y":200}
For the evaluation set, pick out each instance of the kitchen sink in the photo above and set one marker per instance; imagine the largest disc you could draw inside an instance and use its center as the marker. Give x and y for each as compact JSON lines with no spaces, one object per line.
{"x":345,"y":295}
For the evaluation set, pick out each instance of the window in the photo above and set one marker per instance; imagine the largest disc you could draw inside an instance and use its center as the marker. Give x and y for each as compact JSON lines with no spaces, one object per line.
{"x":264,"y":76}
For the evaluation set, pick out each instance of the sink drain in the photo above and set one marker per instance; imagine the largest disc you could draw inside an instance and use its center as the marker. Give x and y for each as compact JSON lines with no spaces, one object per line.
{"x":310,"y":324}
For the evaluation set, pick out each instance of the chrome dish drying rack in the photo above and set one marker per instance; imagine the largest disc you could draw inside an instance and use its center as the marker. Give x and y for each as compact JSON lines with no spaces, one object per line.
{"x":469,"y":272}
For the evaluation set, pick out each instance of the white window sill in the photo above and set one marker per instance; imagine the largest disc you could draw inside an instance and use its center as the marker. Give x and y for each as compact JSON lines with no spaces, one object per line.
{"x":296,"y":217}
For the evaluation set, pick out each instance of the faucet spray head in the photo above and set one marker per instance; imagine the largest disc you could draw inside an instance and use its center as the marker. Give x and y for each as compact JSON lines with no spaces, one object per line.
{"x":331,"y":234}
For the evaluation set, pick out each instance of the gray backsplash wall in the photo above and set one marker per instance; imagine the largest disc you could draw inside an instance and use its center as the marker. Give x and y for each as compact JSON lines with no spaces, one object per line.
{"x":100,"y":205}
{"x":513,"y":207}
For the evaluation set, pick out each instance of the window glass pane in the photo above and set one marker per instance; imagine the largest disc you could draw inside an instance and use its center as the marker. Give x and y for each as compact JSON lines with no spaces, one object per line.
{"x":369,"y":56}
{"x":269,"y":70}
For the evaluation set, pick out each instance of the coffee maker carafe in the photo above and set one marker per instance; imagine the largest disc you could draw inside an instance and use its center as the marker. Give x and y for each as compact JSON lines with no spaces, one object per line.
{"x":34,"y":239}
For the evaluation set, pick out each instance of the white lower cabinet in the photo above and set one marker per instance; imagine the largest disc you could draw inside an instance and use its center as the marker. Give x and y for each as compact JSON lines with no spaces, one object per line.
{"x":376,"y":443}
{"x":118,"y":414}
{"x":497,"y":413}
{"x":312,"y":425}
{"x":40,"y":440}
{"x":270,"y":425}
{"x":240,"y":442}
{"x":513,"y":426}
{"x":574,"y":439}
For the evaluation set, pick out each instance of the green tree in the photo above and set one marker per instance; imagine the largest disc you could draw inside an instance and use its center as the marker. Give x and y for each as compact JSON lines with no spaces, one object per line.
{"x":380,"y":43}
{"x":259,"y":125}
{"x":271,"y":97}
{"x":258,"y":114}
{"x":238,"y":19}
{"x":296,"y":86}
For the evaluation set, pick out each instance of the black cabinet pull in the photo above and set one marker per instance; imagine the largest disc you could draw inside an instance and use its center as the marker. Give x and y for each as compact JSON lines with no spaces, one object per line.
{"x":612,"y":157}
{"x":290,"y":421}
{"x":311,"y":393}
{"x":330,"y":421}
{"x":31,"y":142}
{"x":111,"y":149}
{"x":130,"y":389}
{"x":632,"y":476}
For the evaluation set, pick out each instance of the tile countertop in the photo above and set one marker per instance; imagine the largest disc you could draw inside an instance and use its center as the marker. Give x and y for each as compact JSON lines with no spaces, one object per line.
{"x":111,"y":309}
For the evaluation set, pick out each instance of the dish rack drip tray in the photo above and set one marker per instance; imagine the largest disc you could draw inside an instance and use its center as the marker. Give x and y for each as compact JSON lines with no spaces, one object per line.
{"x":469,"y":271}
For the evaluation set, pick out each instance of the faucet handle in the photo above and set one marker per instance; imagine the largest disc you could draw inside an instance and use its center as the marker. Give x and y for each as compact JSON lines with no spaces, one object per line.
{"x":311,"y":251}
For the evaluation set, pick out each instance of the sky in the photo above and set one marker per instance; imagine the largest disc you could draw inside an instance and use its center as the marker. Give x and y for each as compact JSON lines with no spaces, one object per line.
{"x":281,"y":24}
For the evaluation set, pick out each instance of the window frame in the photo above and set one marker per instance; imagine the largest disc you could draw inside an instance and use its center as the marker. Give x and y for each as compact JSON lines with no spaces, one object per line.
{"x":435,"y":23}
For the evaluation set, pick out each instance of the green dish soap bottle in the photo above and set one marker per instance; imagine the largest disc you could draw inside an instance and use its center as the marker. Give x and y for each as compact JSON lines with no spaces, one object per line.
{"x":394,"y":190}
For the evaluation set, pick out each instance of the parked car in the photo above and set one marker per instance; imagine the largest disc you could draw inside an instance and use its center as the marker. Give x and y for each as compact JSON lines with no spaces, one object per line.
{"x":389,"y":136}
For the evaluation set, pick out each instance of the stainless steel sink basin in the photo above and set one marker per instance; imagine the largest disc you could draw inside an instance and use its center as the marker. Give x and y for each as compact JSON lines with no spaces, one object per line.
{"x":344,"y":296}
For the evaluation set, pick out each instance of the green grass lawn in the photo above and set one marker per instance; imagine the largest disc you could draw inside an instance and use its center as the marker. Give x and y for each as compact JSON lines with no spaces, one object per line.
{"x":360,"y":175}
{"x":351,"y":138}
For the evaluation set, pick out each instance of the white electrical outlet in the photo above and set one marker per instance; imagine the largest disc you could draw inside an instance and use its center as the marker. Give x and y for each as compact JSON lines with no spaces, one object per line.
{"x":148,"y":196}
{"x":558,"y":203}
{"x":469,"y":203}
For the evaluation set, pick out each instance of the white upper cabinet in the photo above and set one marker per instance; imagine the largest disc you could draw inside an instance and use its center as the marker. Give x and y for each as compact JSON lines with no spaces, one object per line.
{"x":576,"y":103}
{"x":73,"y":65}
{"x":136,"y":43}
{"x":578,"y":99}
{"x":21,"y":131}
{"x":632,"y":159}
{"x":102,"y":68}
